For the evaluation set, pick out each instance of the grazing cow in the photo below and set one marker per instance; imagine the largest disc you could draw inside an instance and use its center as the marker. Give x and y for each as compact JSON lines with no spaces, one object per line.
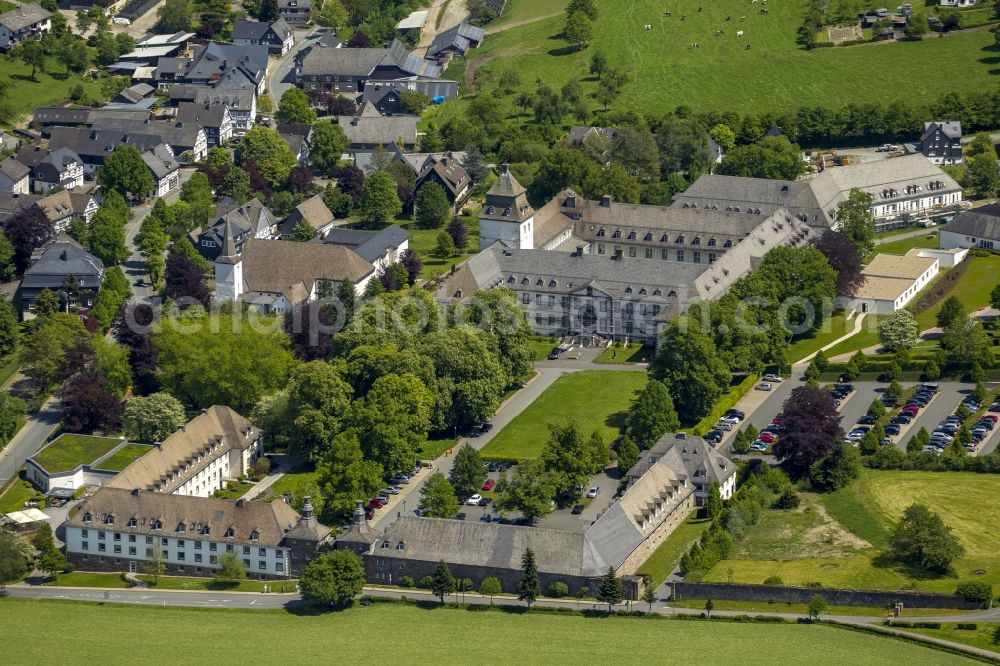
{"x":742,"y":19}
{"x":739,"y":33}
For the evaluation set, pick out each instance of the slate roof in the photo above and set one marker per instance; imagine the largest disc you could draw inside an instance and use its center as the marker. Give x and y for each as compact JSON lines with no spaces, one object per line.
{"x":313,"y":211}
{"x":449,"y":171}
{"x":180,"y":456}
{"x":32,"y":155}
{"x":369,"y":245}
{"x":506,"y":199}
{"x":251,"y":218}
{"x":292,"y":269}
{"x":341,"y":62}
{"x":23,"y":17}
{"x":233,"y":98}
{"x":65,"y":204}
{"x":64,"y":257}
{"x":204,"y":115}
{"x":180,"y":135}
{"x":380,"y":130}
{"x":271,"y":520}
{"x":99,"y":143}
{"x":160,"y":161}
{"x":951,"y":129}
{"x":738,"y":192}
{"x":257,"y":30}
{"x":687,"y":457}
{"x":460,"y":38}
{"x":981,"y":222}
{"x":13,"y":169}
{"x":11,"y":204}
{"x":578,"y":133}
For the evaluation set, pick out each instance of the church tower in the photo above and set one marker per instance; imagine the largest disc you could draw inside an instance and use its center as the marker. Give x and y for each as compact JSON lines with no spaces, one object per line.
{"x":228,"y":269}
{"x":506,"y":215}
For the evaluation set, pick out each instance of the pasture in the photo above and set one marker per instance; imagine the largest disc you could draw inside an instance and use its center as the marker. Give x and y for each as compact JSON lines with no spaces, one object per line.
{"x":593,"y":399}
{"x":722,"y":73}
{"x":412,"y":635}
{"x":833,"y":540}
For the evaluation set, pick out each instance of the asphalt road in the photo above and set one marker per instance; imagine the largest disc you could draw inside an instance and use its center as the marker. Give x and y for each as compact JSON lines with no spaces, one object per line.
{"x":29,"y":439}
{"x":281,"y":76}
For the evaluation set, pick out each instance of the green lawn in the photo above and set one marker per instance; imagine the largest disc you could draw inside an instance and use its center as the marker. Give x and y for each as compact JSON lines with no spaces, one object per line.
{"x":542,"y":346}
{"x":423,"y":242}
{"x":665,"y":558}
{"x":113,"y":580}
{"x":973,"y":288}
{"x":67,"y":451}
{"x":928,"y":240}
{"x":124,"y":457}
{"x":593,"y":399}
{"x":289,"y":482}
{"x":980,"y":637}
{"x":237,"y":492}
{"x":414,"y":635}
{"x":833,"y":328}
{"x":17,"y":493}
{"x":434,"y":448}
{"x":632,"y":353}
{"x":52,"y":88}
{"x":775,"y":74}
{"x":776,"y":607}
{"x":836,"y":545}
{"x":527,"y":10}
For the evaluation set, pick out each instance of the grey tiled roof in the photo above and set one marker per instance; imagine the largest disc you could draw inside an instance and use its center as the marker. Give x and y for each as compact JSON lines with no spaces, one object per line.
{"x":23,"y":17}
{"x":160,"y":162}
{"x":982,"y":222}
{"x":341,"y":62}
{"x":13,"y":169}
{"x":459,"y":37}
{"x":60,"y":259}
{"x":951,"y":129}
{"x":369,"y":245}
{"x":366,"y":130}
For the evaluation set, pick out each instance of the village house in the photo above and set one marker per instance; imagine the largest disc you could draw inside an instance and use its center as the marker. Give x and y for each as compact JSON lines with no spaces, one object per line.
{"x":380,"y":248}
{"x":977,"y":227}
{"x":312,"y":211}
{"x":446,"y":170}
{"x":220,"y":66}
{"x":455,"y":42}
{"x":242,"y":104}
{"x":60,"y":261}
{"x":347,"y":70}
{"x":56,"y":168}
{"x":298,"y":138}
{"x":14,"y":204}
{"x":63,"y":206}
{"x":14,"y":176}
{"x":214,"y":119}
{"x":941,"y":142}
{"x":366,"y":132}
{"x":276,"y":36}
{"x":165,"y":169}
{"x":29,"y":21}
{"x":295,"y":12}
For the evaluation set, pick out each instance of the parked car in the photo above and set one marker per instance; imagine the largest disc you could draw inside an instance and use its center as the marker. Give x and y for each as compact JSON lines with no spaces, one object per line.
{"x":764,"y":386}
{"x":486,"y":427}
{"x":770,"y":377}
{"x":737,"y":413}
{"x":592,"y":493}
{"x":892,"y":430}
{"x":994,"y":408}
{"x":391,"y":490}
{"x":485,"y":501}
{"x":577,"y":510}
{"x":989,"y":417}
{"x":377,"y":503}
{"x":554,"y":354}
{"x":729,"y":418}
{"x":758,"y":445}
{"x":901,"y":419}
{"x":714,"y":436}
{"x":723,"y":425}
{"x":461,"y":516}
{"x":474,"y":500}
{"x":867,"y":419}
{"x":768,"y":437}
{"x":889,"y":401}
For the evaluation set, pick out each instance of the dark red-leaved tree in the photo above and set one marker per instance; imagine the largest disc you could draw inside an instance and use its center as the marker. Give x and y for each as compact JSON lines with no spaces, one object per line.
{"x":257,"y":181}
{"x":130,"y":329}
{"x":216,"y":174}
{"x":89,"y":406}
{"x":350,"y":181}
{"x":340,"y":106}
{"x":459,"y":234}
{"x":842,"y":255}
{"x":184,"y":279}
{"x":413,"y":265}
{"x":28,"y":230}
{"x":359,"y":41}
{"x":300,"y":180}
{"x":812,"y":429}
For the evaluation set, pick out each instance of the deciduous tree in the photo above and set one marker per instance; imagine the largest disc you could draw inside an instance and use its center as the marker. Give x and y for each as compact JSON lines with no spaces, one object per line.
{"x":231,"y":569}
{"x":329,"y":141}
{"x":530,"y":491}
{"x":652,"y":415}
{"x":379,"y":202}
{"x":898,"y":331}
{"x":153,"y":418}
{"x":812,"y":429}
{"x":27,"y":231}
{"x":16,"y":554}
{"x":294,"y":108}
{"x":126,"y":173}
{"x":432,"y":207}
{"x":922,"y":539}
{"x":842,"y":254}
{"x":857,"y":221}
{"x":269,"y":153}
{"x":437,"y":498}
{"x":689,"y":365}
{"x":335,"y":577}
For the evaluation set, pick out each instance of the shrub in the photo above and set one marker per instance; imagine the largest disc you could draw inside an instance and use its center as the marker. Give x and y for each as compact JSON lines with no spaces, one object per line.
{"x":966,"y":626}
{"x":408,"y":581}
{"x":426,"y":582}
{"x":814,"y":583}
{"x":976,"y":591}
{"x":789,"y":499}
{"x":773,"y":580}
{"x":558,"y":589}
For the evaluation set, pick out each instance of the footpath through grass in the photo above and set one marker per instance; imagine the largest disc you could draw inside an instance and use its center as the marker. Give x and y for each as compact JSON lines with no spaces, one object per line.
{"x":593,"y":399}
{"x":413,"y":635}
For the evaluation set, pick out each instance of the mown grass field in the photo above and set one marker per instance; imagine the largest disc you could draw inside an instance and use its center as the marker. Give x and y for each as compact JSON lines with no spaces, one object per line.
{"x":830,"y":330}
{"x":722,"y":74}
{"x":593,"y":399}
{"x":833,"y":541}
{"x":412,"y":635}
{"x":980,"y":637}
{"x":664,"y":559}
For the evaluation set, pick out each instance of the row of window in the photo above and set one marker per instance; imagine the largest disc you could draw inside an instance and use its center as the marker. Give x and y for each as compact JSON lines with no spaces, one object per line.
{"x":180,"y":543}
{"x":664,"y":253}
{"x":157,"y":524}
{"x":665,"y":238}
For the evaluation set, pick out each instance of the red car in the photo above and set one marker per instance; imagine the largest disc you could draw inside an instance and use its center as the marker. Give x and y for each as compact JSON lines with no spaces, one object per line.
{"x":912,"y":409}
{"x":376,"y":503}
{"x":776,"y":421}
{"x":490,"y":483}
{"x":768,"y":437}
{"x":989,"y":417}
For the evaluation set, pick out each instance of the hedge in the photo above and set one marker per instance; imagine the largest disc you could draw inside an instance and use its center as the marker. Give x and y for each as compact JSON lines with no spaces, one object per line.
{"x":726,"y":402}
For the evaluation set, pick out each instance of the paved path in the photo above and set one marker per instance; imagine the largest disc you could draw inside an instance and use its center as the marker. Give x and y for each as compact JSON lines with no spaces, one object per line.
{"x":858,"y":320}
{"x":262,"y":485}
{"x":29,"y":439}
{"x":254,"y":600}
{"x":909,"y":234}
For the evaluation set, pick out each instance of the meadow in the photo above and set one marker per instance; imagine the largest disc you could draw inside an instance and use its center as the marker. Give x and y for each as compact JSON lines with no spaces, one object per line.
{"x":593,"y":399}
{"x":419,"y":635}
{"x":765,"y":70}
{"x":833,"y":539}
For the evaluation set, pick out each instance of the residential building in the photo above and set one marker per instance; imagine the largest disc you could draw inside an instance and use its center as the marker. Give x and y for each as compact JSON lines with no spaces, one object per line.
{"x":941,"y":142}
{"x":701,"y":463}
{"x":276,"y":36}
{"x":295,"y":12}
{"x":447,"y":171}
{"x":165,"y":169}
{"x":251,"y":220}
{"x":46,"y":118}
{"x":279,"y":275}
{"x":312,"y":211}
{"x":365,"y":133}
{"x":187,"y":140}
{"x":958,"y":3}
{"x":625,"y":534}
{"x":977,"y":227}
{"x":298,"y":138}
{"x":580,"y":136}
{"x":62,"y":260}
{"x":56,"y":168}
{"x":242,"y":104}
{"x":891,"y":281}
{"x":63,"y":206}
{"x":14,"y":176}
{"x":347,"y":70}
{"x":214,"y":119}
{"x":380,"y":248}
{"x":29,"y":21}
{"x":94,"y":145}
{"x":13,"y":204}
{"x":386,"y":96}
{"x":220,"y":66}
{"x":455,"y":42}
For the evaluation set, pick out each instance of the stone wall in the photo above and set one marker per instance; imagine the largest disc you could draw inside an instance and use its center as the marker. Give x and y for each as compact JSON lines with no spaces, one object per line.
{"x":833,"y":596}
{"x":658,"y":536}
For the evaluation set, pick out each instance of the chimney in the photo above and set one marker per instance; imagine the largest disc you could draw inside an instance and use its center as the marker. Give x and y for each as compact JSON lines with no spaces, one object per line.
{"x":359,"y":513}
{"x":307,"y":508}
{"x":606,"y":201}
{"x":354,"y":121}
{"x":504,"y":168}
{"x":136,"y":491}
{"x":63,"y":256}
{"x":240,"y":503}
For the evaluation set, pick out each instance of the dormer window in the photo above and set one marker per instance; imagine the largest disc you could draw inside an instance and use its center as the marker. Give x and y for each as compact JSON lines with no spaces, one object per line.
{"x":132,"y":522}
{"x":510,"y":280}
{"x":628,"y":290}
{"x":156,"y":525}
{"x":648,"y":236}
{"x":181,"y":528}
{"x":672,"y":294}
{"x":230,"y":533}
{"x":680,"y":239}
{"x":664,"y":238}
{"x":539,"y":282}
{"x":642,"y":292}
{"x":658,"y":292}
{"x":711,"y":242}
{"x":696,"y":241}
{"x":728,"y":243}
{"x":385,"y":545}
{"x":552,"y":283}
{"x":255,"y":536}
{"x":600,"y":233}
{"x":109,"y":519}
{"x":617,"y":234}
{"x":631,"y":235}
{"x":87,"y":518}
{"x":524,"y":280}
{"x":400,"y":546}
